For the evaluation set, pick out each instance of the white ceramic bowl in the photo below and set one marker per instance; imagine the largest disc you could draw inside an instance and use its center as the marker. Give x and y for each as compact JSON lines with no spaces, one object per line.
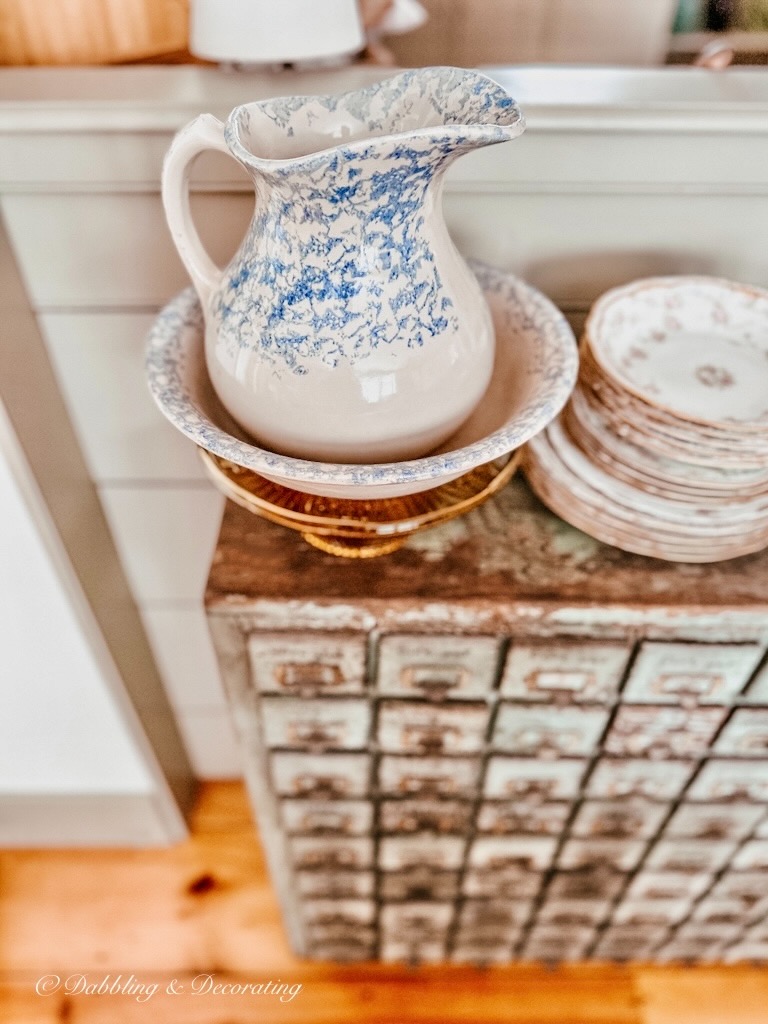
{"x":534,"y":372}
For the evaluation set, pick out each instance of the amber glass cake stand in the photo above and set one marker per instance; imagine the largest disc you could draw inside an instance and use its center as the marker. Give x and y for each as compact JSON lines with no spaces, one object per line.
{"x":358,"y":529}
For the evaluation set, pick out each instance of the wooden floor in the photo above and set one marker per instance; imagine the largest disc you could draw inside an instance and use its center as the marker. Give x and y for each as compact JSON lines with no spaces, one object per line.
{"x":205,"y":907}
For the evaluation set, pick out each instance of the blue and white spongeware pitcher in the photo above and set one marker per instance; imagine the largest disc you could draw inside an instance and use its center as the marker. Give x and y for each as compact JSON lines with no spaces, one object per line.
{"x":347,"y":327}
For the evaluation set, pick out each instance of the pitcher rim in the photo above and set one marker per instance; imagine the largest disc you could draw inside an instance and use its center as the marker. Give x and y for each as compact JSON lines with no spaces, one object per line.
{"x":493,"y":132}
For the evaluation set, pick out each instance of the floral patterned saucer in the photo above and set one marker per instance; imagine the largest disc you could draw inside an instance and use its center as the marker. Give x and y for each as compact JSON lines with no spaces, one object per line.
{"x":662,"y":449}
{"x":535,"y":370}
{"x":694,"y":347}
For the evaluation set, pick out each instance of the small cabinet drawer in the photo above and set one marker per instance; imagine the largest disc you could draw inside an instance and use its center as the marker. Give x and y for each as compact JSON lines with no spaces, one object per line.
{"x":310,"y":854}
{"x":487,"y":937}
{"x":570,"y":942}
{"x":413,"y":951}
{"x":437,"y":852}
{"x":689,"y":856}
{"x":510,"y":818}
{"x":629,"y":942}
{"x":315,"y":724}
{"x":651,"y":934}
{"x":712,"y":911}
{"x":548,"y":731}
{"x":668,"y":886}
{"x":661,"y":732}
{"x":360,"y":934}
{"x":428,"y":776}
{"x":420,"y":883}
{"x":492,"y":915}
{"x":533,"y":779}
{"x":654,"y":780}
{"x":564,"y":672}
{"x":327,"y":817}
{"x":618,"y":819}
{"x":441,"y":816}
{"x":753,"y":856}
{"x":513,"y":883}
{"x":746,"y":952}
{"x":415,"y":931}
{"x":333,"y":885}
{"x":411,"y":728}
{"x":320,"y":776}
{"x":746,"y":887}
{"x":345,"y":951}
{"x":651,"y":912}
{"x":745,"y":735}
{"x":551,"y":942}
{"x":307,"y":664}
{"x":501,"y":853}
{"x":731,"y":780}
{"x":415,"y":920}
{"x":466,"y":951}
{"x":713,"y":821}
{"x":758,"y":932}
{"x":692,"y":673}
{"x":567,"y":913}
{"x":437,"y":667}
{"x":619,"y":854}
{"x":699,"y":949}
{"x":587,"y":883}
{"x":340,"y":913}
{"x":697,"y":931}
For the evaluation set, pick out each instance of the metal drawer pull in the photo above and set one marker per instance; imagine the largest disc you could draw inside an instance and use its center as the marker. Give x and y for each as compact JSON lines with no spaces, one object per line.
{"x":320,"y":785}
{"x":329,"y":860}
{"x":315,"y":734}
{"x":307,"y":675}
{"x":429,"y":739}
{"x":511,"y":863}
{"x":337,"y":920}
{"x":426,"y":785}
{"x":434,"y":680}
{"x":554,"y":679}
{"x":425,"y":821}
{"x":541,"y":789}
{"x":694,"y":684}
{"x":317,"y":823}
{"x":617,"y":825}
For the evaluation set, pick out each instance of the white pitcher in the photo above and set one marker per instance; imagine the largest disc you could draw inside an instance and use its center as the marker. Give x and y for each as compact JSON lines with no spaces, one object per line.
{"x":347,"y":327}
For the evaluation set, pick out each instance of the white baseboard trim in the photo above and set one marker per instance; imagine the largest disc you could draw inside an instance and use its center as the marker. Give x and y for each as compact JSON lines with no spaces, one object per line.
{"x":94,"y":819}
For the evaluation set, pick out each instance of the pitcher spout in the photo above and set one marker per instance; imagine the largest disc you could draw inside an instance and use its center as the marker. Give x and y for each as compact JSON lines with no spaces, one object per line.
{"x":451,"y":108}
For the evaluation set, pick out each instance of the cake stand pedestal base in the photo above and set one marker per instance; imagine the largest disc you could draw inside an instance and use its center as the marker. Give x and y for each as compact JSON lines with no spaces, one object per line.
{"x":358,"y":529}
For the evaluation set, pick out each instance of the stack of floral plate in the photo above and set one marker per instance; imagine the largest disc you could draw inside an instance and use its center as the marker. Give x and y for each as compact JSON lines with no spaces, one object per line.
{"x":663,"y":447}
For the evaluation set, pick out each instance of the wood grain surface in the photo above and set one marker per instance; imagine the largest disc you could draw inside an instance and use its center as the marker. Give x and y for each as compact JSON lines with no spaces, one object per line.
{"x":510,"y":549}
{"x":206,"y":907}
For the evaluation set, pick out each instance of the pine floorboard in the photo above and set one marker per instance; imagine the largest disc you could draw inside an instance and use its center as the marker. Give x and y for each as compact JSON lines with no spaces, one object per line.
{"x":206,"y":907}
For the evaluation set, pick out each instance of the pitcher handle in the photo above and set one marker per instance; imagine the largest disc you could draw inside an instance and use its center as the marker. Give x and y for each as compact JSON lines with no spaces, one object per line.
{"x":205,"y":132}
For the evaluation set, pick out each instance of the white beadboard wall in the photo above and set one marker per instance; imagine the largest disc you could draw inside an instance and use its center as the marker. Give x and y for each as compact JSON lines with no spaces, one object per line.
{"x":48,"y":742}
{"x":621,"y":174}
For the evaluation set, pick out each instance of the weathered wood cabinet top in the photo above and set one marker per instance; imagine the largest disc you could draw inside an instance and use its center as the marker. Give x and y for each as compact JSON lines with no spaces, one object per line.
{"x":509,"y":562}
